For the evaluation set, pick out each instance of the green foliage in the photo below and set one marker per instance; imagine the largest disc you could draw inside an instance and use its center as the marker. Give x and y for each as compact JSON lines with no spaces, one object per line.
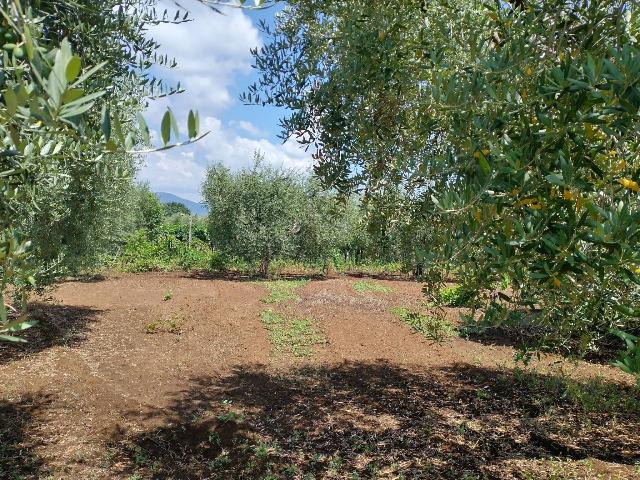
{"x":432,"y":327}
{"x":254,"y":213}
{"x":507,"y":136}
{"x":282,"y":290}
{"x":364,"y":286}
{"x":296,"y":336}
{"x":263,"y":214}
{"x":166,"y":252}
{"x":455,"y":296}
{"x":174,"y":208}
{"x":629,"y":361}
{"x":149,"y":211}
{"x":73,"y":78}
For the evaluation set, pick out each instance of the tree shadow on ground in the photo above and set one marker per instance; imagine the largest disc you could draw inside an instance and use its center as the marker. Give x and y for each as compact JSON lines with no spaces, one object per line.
{"x":604,"y":352}
{"x":377,"y":420}
{"x":57,"y":325}
{"x":90,"y":278}
{"x":18,"y":459}
{"x":246,"y":277}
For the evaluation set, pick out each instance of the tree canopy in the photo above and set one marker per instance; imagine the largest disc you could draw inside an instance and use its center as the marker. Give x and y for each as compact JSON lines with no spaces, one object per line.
{"x":511,"y":127}
{"x":74,"y":81}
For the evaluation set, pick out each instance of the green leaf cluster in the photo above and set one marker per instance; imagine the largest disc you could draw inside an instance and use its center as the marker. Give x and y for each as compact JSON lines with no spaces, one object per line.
{"x":509,"y":127}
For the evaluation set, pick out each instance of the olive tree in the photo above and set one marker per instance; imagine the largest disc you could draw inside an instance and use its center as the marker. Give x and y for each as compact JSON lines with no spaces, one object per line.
{"x":254,"y":212}
{"x":73,"y":78}
{"x":513,"y":125}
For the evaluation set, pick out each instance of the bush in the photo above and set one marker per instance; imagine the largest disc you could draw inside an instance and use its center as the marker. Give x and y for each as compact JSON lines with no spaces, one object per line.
{"x":140,"y":255}
{"x":166,"y":252}
{"x":433,"y":327}
{"x":456,"y":296}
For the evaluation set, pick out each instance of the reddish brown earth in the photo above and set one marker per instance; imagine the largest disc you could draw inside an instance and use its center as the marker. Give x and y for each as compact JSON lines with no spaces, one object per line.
{"x":119,"y":383}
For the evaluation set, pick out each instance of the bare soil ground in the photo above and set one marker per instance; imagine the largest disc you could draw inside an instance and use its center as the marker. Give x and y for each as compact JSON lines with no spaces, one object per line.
{"x":122,"y":382}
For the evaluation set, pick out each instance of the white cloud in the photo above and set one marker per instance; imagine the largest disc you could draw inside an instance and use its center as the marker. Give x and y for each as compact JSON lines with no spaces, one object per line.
{"x":212,"y":52}
{"x":182,"y":170}
{"x":247,"y":127}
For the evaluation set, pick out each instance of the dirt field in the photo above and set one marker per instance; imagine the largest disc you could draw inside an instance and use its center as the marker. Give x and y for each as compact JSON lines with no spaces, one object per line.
{"x":171,"y":376}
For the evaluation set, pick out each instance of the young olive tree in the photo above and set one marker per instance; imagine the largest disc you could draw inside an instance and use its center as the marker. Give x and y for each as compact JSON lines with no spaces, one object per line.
{"x":254,"y":213}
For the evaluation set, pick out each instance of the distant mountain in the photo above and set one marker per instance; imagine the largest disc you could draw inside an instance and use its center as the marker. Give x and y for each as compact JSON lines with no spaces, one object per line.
{"x":194,"y":207}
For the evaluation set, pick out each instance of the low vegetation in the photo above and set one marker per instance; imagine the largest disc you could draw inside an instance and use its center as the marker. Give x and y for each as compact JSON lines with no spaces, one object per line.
{"x":282,"y":290}
{"x":455,"y":296}
{"x":290,"y":335}
{"x":172,"y":324}
{"x":364,"y":286}
{"x":433,"y":327}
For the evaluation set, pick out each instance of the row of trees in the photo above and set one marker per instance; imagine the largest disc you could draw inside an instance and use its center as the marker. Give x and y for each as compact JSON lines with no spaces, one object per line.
{"x":510,"y":128}
{"x":74,"y":78}
{"x":264,"y":213}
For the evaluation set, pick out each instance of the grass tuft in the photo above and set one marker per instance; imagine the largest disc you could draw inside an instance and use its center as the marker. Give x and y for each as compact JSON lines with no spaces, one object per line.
{"x":295,"y":336}
{"x":364,"y":286}
{"x":282,"y":290}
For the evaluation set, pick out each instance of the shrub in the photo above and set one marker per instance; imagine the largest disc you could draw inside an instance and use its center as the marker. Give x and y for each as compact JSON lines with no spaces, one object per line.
{"x":433,"y":327}
{"x":455,"y":296}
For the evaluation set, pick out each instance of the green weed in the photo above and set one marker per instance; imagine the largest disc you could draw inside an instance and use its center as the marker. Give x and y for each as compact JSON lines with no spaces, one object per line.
{"x":432,"y":327}
{"x":594,"y":395}
{"x":455,"y":296}
{"x":231,"y":416}
{"x":282,"y":290}
{"x":170,"y":325}
{"x":364,"y":286}
{"x":295,"y":336}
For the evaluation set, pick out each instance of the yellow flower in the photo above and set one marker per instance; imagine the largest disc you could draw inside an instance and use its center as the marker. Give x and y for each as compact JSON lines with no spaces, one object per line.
{"x":528,"y":71}
{"x":629,"y":184}
{"x":477,"y":215}
{"x":567,"y":195}
{"x":556,"y":283}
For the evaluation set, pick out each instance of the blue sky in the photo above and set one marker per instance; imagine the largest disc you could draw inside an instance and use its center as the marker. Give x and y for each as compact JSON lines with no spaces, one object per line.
{"x":214,"y":67}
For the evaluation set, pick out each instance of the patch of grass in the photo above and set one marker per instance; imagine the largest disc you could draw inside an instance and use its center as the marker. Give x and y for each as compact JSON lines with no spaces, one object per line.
{"x":282,"y":290}
{"x":364,"y":286}
{"x":231,"y":416}
{"x":168,"y":295}
{"x":170,"y":325}
{"x":432,"y":327}
{"x":295,"y":336}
